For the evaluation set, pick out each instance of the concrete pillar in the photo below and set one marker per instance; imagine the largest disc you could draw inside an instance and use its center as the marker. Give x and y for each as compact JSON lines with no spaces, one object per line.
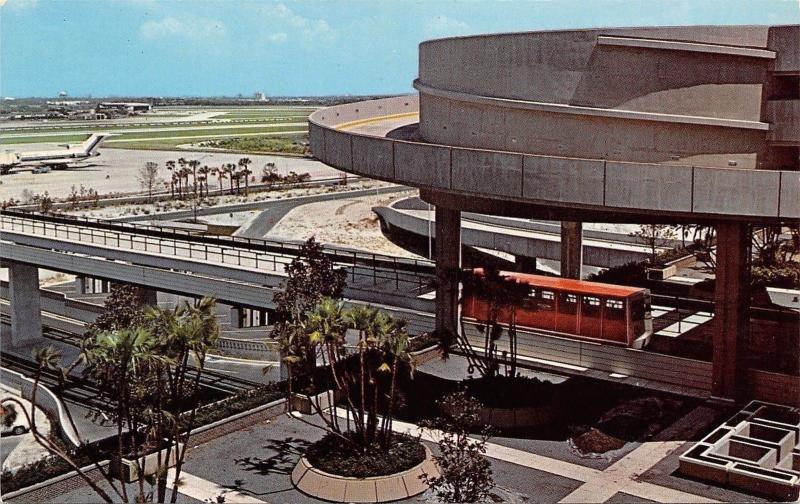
{"x":448,"y":263}
{"x":148,"y":296}
{"x":571,"y":249}
{"x":731,"y":311}
{"x":80,"y":285}
{"x":236,"y":317}
{"x":26,"y":304}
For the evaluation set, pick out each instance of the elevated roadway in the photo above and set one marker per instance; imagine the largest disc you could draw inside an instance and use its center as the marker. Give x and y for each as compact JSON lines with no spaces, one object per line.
{"x":523,"y":239}
{"x":237,"y":271}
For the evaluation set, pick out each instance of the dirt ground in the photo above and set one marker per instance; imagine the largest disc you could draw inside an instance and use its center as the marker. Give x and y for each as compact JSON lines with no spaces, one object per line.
{"x":115,"y":171}
{"x":348,"y":222}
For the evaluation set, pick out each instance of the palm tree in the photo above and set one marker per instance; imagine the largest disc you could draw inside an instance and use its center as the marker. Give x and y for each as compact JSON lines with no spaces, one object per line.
{"x":171,"y":167}
{"x":230,"y":169}
{"x":185,"y":334}
{"x":204,"y":173}
{"x":498,"y":293}
{"x":120,"y":362}
{"x":194,"y":164}
{"x":244,"y":163}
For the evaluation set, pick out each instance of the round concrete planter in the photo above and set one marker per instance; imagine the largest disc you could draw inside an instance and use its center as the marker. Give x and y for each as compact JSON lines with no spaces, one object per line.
{"x":391,"y":487}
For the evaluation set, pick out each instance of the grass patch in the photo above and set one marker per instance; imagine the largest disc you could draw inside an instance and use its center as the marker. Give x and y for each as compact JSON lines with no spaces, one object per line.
{"x":285,"y":145}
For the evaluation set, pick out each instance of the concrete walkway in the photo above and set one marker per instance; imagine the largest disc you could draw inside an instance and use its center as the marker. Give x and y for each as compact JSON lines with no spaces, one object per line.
{"x":208,"y":491}
{"x":599,"y":486}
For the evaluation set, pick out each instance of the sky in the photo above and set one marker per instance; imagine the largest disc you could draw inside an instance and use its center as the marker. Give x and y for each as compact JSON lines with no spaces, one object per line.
{"x":289,"y":48}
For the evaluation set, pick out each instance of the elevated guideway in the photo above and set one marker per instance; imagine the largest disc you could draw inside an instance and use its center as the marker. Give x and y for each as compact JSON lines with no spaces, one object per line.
{"x":237,"y":271}
{"x":520,"y":237}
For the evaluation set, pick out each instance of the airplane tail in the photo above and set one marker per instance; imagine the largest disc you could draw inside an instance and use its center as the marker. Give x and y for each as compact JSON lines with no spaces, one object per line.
{"x":90,"y":145}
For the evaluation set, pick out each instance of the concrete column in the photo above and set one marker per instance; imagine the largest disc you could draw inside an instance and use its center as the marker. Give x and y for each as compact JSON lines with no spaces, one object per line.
{"x":571,"y":249}
{"x":26,"y":304}
{"x":448,"y":263}
{"x":236,"y":317}
{"x":80,"y":285}
{"x":731,"y":311}
{"x":148,"y":296}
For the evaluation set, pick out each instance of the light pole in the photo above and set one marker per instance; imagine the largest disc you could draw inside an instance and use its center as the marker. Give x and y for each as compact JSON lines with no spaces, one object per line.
{"x":430,"y":234}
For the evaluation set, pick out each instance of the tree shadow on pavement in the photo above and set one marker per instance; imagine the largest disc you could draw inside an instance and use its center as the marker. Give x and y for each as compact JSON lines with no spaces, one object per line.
{"x":286,"y":454}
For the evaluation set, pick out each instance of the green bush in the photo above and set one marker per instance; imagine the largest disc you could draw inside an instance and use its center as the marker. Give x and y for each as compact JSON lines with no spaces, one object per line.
{"x":334,"y":455}
{"x":424,"y":340}
{"x":785,"y":275}
{"x":632,"y":273}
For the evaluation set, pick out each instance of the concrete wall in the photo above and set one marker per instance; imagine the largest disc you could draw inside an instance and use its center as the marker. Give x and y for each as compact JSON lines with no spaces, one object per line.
{"x":503,"y":126}
{"x":784,"y":115}
{"x":45,"y":399}
{"x":569,"y":67}
{"x":674,"y":191}
{"x":57,"y":302}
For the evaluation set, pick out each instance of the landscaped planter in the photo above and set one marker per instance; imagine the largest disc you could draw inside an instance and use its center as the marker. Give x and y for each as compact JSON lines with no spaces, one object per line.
{"x":330,"y":487}
{"x":130,"y":471}
{"x":524,"y":417}
{"x":426,"y":355}
{"x":670,"y":268}
{"x":306,"y":404}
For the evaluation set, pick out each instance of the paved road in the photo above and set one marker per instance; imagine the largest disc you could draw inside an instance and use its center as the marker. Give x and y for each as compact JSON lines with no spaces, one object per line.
{"x":274,"y":211}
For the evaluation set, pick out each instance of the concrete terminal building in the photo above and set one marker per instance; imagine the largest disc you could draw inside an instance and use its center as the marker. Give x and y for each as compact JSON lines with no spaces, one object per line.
{"x":641,"y":125}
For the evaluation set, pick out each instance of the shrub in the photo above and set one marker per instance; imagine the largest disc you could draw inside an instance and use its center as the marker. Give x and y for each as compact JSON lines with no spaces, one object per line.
{"x":8,"y":414}
{"x":466,"y":474}
{"x":632,"y":273}
{"x":334,"y":455}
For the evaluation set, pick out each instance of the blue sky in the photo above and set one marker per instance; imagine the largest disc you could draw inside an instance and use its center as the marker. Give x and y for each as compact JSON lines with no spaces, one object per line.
{"x":213,"y":48}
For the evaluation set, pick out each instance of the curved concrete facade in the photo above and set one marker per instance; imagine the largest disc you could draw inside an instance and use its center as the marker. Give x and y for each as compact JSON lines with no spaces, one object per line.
{"x":686,"y":123}
{"x":354,"y":138}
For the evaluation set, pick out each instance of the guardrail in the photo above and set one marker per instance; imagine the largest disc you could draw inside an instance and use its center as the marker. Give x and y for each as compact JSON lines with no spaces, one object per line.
{"x":45,"y":400}
{"x":232,"y":250}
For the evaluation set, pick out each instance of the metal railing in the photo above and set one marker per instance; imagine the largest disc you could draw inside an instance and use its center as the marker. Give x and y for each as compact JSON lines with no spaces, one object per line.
{"x":362,"y":268}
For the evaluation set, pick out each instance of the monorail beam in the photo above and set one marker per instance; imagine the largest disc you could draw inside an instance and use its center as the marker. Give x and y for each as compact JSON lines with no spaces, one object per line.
{"x":731,"y":311}
{"x":448,"y":263}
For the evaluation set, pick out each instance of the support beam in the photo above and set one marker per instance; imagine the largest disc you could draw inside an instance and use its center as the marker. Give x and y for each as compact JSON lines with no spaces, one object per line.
{"x":448,"y":263}
{"x":731,"y":311}
{"x":236,"y":317}
{"x":26,"y":303}
{"x":80,"y":285}
{"x":571,"y":249}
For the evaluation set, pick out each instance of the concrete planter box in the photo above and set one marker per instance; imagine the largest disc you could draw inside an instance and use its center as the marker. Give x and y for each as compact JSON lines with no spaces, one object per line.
{"x":671,"y":268}
{"x":129,"y":469}
{"x":306,"y":404}
{"x":391,"y":487}
{"x":757,"y":451}
{"x":426,"y":354}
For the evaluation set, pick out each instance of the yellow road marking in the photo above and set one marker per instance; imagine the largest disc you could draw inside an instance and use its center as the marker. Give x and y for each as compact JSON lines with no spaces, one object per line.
{"x":361,"y":122}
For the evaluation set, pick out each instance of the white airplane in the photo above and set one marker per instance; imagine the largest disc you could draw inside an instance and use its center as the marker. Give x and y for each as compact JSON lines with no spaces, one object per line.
{"x":55,"y":159}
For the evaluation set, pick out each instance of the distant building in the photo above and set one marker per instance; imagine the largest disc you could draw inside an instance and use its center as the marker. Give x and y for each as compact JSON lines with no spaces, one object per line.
{"x":259,"y":96}
{"x":123,"y":107}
